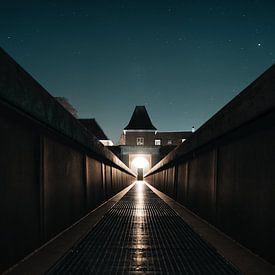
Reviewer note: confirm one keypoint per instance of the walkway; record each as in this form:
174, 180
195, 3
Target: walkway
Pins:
141, 234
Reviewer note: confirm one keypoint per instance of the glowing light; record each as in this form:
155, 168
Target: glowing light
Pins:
139, 239
140, 162
139, 197
140, 190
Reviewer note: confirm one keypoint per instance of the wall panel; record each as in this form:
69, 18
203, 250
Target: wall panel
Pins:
182, 183
201, 187
19, 191
64, 189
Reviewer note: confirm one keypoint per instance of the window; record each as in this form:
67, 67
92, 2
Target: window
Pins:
140, 141
169, 142
157, 142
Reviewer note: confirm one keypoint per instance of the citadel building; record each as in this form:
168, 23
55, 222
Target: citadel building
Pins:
141, 145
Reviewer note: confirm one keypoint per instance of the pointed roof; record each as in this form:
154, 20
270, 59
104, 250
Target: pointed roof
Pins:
140, 120
92, 126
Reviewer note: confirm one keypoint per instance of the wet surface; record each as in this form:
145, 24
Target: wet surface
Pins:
141, 234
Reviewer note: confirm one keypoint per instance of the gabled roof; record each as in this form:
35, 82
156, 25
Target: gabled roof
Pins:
92, 126
140, 120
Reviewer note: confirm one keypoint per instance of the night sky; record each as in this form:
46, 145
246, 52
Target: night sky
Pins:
183, 60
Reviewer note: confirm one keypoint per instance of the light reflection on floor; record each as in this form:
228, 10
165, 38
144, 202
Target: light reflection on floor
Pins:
140, 240
141, 234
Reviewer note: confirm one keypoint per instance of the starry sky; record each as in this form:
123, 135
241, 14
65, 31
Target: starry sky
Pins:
182, 59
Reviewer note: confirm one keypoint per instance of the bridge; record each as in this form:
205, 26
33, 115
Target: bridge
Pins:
71, 206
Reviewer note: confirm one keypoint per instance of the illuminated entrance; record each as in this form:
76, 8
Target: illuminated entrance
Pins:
140, 164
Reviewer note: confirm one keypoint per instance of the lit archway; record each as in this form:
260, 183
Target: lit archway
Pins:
140, 161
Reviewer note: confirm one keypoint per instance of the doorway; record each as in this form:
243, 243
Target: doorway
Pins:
140, 174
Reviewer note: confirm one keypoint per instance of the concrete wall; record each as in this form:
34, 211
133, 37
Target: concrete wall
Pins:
19, 191
225, 173
51, 172
47, 184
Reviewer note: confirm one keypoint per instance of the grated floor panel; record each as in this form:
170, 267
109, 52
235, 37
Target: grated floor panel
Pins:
141, 234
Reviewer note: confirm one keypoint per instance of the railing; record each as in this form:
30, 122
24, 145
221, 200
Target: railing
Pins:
225, 172
52, 171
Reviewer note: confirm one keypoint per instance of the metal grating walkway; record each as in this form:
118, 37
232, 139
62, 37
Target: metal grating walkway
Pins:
142, 234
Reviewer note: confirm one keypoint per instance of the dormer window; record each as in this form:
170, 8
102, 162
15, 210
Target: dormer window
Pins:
140, 141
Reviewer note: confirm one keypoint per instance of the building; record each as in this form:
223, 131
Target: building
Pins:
90, 124
142, 145
93, 127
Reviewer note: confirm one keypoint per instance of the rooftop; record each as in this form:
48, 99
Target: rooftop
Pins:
140, 120
92, 126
